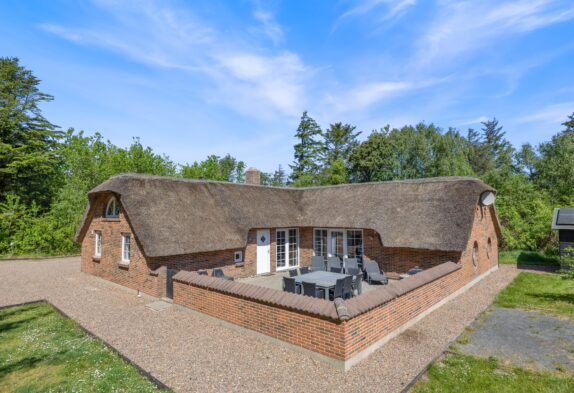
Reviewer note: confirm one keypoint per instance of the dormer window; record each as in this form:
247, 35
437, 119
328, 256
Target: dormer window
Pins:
112, 209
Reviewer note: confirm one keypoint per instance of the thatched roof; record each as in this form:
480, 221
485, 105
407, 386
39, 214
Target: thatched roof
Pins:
179, 216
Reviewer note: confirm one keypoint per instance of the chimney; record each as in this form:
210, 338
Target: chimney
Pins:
253, 176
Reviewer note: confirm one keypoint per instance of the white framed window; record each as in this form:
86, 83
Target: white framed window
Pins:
126, 247
98, 244
112, 209
287, 248
344, 243
238, 257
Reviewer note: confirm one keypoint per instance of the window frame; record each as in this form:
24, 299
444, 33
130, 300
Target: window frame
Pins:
345, 240
97, 244
114, 201
287, 249
129, 248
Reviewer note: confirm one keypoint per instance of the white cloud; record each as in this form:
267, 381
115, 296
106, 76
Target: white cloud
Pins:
269, 25
550, 114
461, 27
244, 77
391, 9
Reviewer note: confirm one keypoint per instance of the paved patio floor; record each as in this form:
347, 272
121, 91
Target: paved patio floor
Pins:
191, 353
275, 281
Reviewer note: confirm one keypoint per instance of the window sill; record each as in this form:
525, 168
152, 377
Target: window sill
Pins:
239, 264
109, 219
123, 265
96, 259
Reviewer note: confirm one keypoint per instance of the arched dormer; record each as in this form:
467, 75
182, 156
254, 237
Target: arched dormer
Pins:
112, 208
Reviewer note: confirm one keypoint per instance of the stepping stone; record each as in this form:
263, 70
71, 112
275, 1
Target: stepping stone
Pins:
158, 306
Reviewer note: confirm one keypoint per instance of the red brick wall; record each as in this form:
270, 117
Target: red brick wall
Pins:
136, 275
337, 339
308, 331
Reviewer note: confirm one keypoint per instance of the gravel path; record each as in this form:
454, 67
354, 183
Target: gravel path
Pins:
190, 353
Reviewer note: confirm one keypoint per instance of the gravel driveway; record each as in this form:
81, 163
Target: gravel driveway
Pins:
191, 353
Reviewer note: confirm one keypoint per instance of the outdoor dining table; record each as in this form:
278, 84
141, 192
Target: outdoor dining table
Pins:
322, 279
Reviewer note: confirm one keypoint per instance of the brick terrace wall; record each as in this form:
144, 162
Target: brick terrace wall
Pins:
342, 340
366, 329
317, 334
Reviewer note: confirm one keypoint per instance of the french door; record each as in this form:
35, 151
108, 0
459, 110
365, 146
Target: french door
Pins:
287, 248
338, 242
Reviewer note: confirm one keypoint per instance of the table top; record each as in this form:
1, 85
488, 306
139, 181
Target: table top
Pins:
321, 278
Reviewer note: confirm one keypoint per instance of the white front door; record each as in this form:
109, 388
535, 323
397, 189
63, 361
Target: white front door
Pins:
263, 251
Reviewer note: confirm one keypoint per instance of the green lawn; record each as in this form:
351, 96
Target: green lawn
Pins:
545, 293
520, 257
462, 373
41, 351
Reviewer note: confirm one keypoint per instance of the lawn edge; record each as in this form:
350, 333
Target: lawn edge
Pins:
156, 382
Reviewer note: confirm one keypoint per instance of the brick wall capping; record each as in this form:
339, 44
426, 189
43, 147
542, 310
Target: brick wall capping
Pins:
338, 310
318, 307
367, 301
156, 270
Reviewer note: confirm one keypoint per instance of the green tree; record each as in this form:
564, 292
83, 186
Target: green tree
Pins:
215, 168
28, 141
499, 150
276, 179
526, 159
306, 166
554, 168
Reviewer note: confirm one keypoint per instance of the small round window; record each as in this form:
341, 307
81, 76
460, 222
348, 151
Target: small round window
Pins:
488, 248
475, 255
112, 209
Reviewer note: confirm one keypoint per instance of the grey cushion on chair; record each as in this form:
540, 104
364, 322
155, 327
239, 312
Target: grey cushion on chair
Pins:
374, 274
333, 262
350, 263
317, 263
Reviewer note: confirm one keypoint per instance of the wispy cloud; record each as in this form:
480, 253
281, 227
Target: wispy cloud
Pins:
389, 9
269, 26
550, 114
249, 79
462, 27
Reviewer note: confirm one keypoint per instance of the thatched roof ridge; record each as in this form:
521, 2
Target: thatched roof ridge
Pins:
173, 216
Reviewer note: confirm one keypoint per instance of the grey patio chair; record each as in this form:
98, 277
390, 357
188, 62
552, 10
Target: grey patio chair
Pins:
350, 263
310, 289
333, 262
343, 288
317, 263
304, 270
289, 285
293, 273
336, 269
353, 271
218, 273
358, 283
202, 272
374, 274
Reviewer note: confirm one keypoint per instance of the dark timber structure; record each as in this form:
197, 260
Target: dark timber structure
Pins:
563, 221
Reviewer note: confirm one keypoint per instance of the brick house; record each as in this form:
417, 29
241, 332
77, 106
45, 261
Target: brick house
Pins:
152, 234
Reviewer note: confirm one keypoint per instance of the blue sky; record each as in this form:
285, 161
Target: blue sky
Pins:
193, 78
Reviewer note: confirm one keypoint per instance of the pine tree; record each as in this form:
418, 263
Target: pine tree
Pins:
28, 160
499, 150
306, 166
